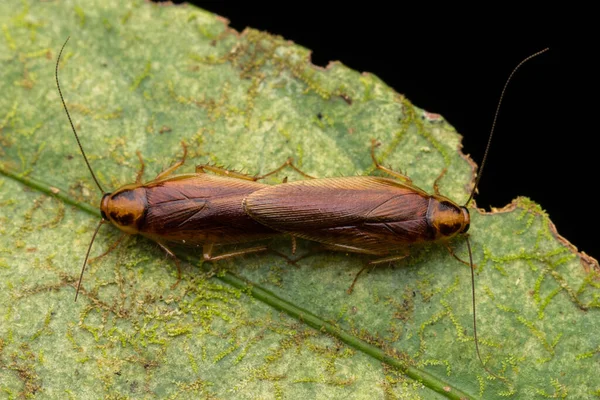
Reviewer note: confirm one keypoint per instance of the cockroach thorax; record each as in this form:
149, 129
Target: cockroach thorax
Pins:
125, 208
447, 218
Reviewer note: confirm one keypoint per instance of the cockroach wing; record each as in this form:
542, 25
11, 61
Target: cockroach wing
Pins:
363, 214
200, 208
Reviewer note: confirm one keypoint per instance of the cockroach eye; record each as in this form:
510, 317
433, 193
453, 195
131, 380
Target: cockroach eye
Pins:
467, 218
104, 205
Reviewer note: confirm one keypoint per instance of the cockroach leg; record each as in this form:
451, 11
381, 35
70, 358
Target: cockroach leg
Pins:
311, 253
234, 174
373, 264
250, 250
167, 250
177, 263
288, 163
207, 251
390, 259
294, 245
350, 249
172, 168
286, 258
208, 248
436, 188
140, 174
351, 288
202, 168
397, 175
458, 258
111, 248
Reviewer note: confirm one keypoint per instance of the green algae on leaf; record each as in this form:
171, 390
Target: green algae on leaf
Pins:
144, 77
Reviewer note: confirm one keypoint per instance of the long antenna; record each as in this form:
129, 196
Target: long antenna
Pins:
487, 148
69, 116
87, 163
475, 337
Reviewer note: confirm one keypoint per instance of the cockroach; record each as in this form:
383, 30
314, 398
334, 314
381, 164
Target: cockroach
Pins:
370, 215
196, 209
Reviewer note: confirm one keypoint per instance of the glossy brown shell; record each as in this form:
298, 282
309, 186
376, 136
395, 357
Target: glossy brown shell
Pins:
364, 214
192, 209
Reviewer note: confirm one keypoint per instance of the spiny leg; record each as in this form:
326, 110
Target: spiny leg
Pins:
294, 245
202, 168
172, 168
288, 163
349, 249
207, 250
436, 188
455, 256
286, 258
177, 263
351, 288
310, 253
111, 248
372, 265
140, 174
207, 256
398, 175
226, 172
321, 248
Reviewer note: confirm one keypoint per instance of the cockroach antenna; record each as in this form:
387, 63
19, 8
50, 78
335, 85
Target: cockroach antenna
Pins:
86, 161
487, 147
479, 173
69, 116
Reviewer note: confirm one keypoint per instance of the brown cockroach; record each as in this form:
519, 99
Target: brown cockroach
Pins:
190, 209
370, 215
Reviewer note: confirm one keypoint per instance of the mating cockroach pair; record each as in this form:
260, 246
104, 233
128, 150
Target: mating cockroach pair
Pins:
362, 214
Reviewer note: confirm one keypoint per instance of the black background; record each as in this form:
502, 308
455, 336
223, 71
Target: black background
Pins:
545, 143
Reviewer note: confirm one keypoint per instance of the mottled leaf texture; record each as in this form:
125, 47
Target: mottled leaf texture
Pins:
143, 77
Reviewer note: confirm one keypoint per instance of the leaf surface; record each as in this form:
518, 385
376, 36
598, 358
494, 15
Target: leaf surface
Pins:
143, 77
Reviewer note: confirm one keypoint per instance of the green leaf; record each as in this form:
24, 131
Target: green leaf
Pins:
145, 77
